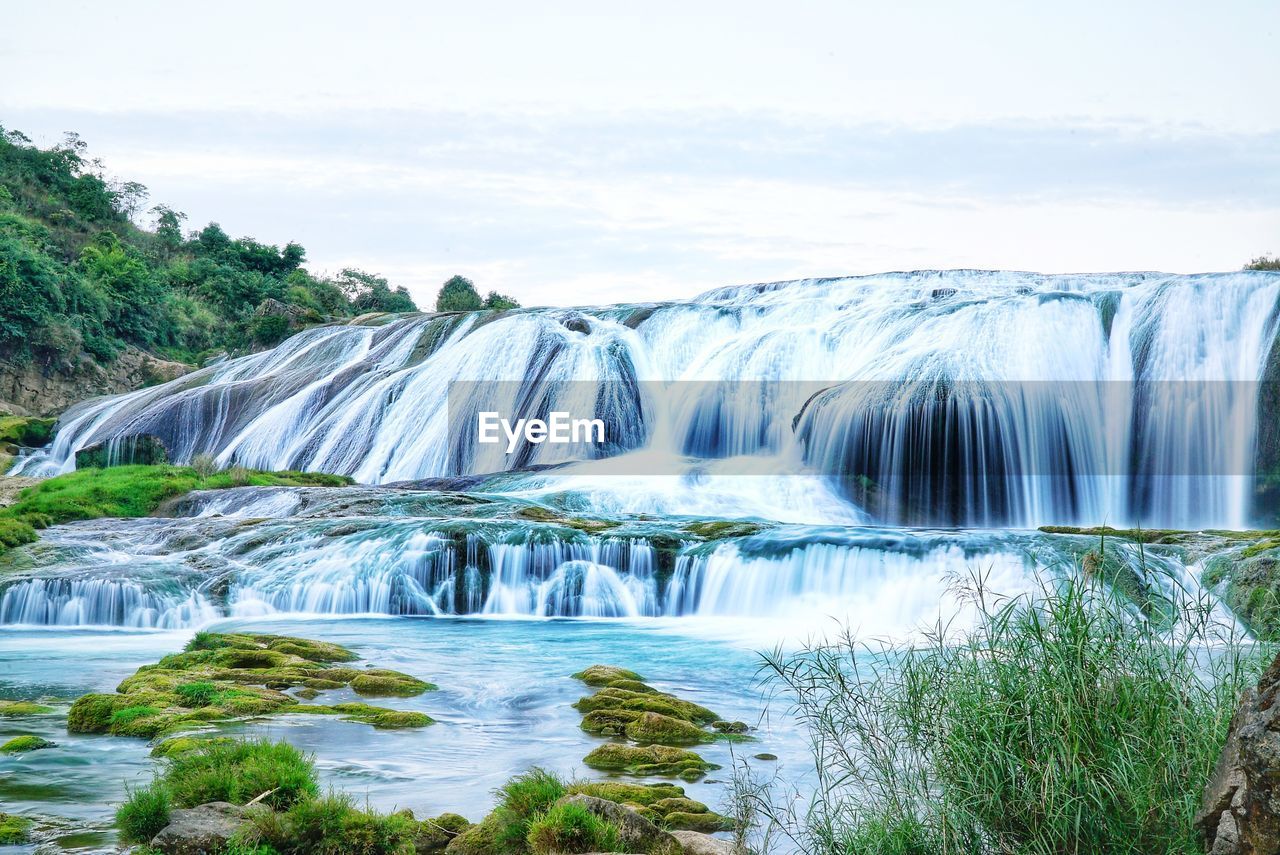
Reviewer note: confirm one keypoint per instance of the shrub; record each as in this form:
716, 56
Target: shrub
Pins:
240, 771
571, 828
327, 826
1067, 723
144, 813
204, 465
520, 801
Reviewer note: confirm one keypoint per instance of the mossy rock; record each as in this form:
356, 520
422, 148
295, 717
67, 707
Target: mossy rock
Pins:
723, 529
657, 702
24, 743
479, 839
389, 684
221, 677
20, 709
731, 727
26, 432
434, 834
176, 745
609, 722
14, 829
656, 728
706, 822
603, 675
648, 760
625, 793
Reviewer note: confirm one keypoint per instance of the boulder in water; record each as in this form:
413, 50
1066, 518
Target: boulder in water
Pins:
1240, 810
697, 843
144, 448
199, 830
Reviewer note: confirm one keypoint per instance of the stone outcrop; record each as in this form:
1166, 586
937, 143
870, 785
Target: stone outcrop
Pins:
143, 448
1240, 812
697, 843
48, 389
201, 830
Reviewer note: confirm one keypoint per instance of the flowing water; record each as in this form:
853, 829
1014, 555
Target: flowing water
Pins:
783, 460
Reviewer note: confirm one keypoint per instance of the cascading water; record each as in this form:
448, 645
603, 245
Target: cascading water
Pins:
371, 402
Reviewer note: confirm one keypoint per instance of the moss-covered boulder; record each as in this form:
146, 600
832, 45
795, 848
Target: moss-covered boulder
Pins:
226, 676
663, 803
26, 432
603, 675
14, 829
435, 834
648, 760
655, 728
24, 743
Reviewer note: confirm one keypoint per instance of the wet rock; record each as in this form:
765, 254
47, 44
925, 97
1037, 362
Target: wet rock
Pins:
143, 448
697, 843
201, 830
635, 833
1240, 810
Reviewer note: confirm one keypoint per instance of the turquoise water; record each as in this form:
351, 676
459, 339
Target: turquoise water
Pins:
503, 706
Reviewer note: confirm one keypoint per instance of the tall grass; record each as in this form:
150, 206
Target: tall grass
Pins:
1061, 724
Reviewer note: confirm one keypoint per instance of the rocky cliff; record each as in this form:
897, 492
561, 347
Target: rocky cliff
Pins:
46, 390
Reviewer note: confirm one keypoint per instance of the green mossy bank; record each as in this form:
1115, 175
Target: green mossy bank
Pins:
129, 491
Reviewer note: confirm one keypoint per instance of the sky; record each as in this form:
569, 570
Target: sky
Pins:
595, 152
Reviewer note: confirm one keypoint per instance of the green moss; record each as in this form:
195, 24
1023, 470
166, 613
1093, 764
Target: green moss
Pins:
13, 829
657, 702
128, 491
632, 686
609, 722
434, 834
24, 431
603, 675
721, 529
221, 677
647, 760
19, 709
567, 827
26, 742
478, 839
623, 793
656, 728
182, 744
91, 713
706, 822
389, 684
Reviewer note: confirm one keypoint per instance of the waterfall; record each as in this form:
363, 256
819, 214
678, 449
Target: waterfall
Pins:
1013, 420
407, 553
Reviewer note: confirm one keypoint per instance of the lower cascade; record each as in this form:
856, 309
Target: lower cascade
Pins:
220, 559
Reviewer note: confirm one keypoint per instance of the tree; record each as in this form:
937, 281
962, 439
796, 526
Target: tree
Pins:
1264, 262
500, 301
371, 293
168, 228
458, 295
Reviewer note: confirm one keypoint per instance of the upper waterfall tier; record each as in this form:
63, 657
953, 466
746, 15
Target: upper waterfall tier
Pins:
1010, 431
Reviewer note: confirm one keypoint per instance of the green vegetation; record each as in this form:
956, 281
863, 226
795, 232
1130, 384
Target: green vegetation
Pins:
1063, 724
220, 771
522, 800
1249, 583
459, 295
222, 677
79, 278
326, 826
1264, 262
19, 709
568, 827
144, 813
13, 829
721, 529
129, 491
648, 760
26, 742
28, 432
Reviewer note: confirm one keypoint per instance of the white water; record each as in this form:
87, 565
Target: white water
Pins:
373, 402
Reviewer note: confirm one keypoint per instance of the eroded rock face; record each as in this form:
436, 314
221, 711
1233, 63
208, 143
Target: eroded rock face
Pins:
201, 830
47, 389
1240, 813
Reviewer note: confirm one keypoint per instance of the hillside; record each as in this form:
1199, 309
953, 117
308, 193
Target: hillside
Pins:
82, 283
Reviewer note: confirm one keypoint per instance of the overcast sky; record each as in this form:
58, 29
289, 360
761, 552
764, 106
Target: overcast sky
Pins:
599, 152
